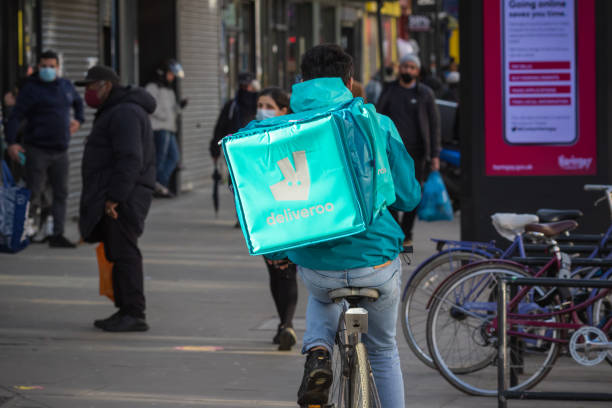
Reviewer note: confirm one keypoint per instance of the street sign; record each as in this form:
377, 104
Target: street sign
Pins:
419, 23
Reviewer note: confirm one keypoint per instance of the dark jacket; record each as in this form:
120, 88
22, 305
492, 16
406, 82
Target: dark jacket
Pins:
429, 116
119, 161
46, 107
236, 114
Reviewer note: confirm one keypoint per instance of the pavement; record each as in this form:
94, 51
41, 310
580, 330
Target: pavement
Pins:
212, 320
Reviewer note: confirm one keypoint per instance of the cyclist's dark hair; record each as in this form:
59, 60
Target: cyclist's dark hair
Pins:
49, 54
325, 61
280, 97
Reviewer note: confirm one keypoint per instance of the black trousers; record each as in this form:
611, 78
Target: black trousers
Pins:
283, 285
406, 219
121, 247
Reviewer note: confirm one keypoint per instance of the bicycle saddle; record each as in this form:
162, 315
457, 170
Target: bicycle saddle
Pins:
552, 229
550, 215
353, 294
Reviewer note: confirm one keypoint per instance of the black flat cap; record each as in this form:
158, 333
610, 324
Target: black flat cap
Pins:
99, 73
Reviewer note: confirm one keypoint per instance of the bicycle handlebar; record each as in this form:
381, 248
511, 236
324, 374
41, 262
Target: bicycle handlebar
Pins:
597, 187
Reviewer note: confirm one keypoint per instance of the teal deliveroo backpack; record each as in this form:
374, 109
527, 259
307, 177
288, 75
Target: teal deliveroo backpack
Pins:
309, 177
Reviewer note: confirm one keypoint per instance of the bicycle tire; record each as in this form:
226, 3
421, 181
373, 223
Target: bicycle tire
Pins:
475, 342
418, 291
339, 391
360, 378
602, 309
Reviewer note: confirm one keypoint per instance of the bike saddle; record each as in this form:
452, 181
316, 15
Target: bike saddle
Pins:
552, 229
353, 295
550, 215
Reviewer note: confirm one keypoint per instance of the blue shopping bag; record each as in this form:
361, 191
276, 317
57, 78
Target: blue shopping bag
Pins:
14, 206
435, 203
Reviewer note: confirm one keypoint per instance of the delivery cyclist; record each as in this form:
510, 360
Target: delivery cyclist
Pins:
367, 259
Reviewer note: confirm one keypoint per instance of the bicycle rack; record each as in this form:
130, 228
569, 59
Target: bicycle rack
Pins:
503, 369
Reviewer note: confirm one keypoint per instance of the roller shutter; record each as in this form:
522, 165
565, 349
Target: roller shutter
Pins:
71, 29
198, 51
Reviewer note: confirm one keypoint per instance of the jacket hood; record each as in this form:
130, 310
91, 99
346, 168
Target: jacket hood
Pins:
129, 94
319, 93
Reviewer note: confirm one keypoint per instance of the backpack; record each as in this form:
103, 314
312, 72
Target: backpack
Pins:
309, 177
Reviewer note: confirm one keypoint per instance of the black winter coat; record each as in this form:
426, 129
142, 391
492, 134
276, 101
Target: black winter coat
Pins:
236, 114
119, 161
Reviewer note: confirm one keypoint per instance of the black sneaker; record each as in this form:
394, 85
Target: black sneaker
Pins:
126, 323
101, 323
60, 241
286, 339
317, 379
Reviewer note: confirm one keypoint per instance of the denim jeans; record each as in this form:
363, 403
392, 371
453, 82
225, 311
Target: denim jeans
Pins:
167, 155
322, 319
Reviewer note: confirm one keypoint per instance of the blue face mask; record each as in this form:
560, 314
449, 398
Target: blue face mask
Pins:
265, 114
47, 74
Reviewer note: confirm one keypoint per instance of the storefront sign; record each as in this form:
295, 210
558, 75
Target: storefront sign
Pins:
417, 22
539, 92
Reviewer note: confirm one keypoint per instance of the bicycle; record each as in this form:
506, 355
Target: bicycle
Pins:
462, 322
454, 254
353, 383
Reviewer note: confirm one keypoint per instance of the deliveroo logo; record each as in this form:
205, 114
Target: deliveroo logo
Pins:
296, 185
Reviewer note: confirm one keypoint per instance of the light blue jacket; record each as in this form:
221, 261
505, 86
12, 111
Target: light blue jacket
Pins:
382, 240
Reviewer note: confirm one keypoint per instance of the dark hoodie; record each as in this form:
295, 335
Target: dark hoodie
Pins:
119, 161
236, 114
46, 107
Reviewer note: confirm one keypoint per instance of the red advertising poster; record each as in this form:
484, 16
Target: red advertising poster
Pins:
539, 85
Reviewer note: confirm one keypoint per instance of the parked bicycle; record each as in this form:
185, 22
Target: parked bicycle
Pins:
462, 331
452, 255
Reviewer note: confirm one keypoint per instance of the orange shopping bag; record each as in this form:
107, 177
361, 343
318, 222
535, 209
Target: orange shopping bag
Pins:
106, 273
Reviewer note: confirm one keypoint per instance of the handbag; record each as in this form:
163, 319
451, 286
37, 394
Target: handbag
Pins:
14, 208
435, 203
105, 268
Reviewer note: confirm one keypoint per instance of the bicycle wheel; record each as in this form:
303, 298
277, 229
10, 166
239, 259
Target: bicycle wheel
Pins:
418, 292
363, 389
463, 341
339, 391
602, 312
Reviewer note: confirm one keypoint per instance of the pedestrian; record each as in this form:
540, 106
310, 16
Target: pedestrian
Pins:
236, 113
274, 102
163, 122
118, 172
44, 101
374, 87
412, 107
367, 259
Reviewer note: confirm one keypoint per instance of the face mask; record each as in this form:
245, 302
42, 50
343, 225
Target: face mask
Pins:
47, 74
407, 78
92, 99
265, 114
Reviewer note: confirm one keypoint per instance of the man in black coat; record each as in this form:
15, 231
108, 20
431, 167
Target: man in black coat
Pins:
118, 172
412, 107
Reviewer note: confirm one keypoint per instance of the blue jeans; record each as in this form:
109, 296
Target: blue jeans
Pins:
322, 319
167, 155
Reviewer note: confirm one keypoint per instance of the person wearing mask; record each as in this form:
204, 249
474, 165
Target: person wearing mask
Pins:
274, 102
118, 172
412, 107
45, 101
163, 122
236, 113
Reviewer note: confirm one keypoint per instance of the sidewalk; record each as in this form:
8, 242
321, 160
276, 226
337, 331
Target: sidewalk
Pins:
212, 320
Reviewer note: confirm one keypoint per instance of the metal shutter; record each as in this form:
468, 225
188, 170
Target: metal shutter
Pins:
198, 51
71, 29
